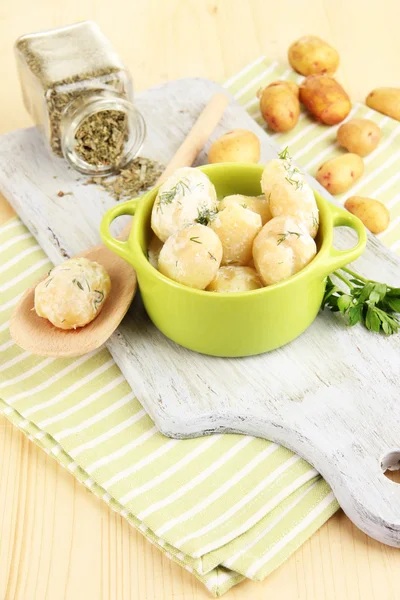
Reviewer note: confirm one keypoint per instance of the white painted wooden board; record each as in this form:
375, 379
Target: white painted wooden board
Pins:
332, 395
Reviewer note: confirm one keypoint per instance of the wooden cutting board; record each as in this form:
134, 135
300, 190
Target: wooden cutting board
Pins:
332, 395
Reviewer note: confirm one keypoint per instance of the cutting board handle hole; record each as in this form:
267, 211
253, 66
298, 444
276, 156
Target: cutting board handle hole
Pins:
390, 465
344, 238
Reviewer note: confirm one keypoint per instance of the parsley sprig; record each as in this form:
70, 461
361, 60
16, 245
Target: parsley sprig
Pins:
371, 303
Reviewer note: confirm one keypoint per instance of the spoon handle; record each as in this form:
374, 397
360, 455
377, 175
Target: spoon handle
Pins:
192, 144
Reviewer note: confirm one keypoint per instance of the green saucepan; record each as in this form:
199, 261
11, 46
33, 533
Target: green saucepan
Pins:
239, 324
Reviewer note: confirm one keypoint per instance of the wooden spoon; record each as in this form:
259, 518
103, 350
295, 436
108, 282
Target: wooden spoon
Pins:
39, 336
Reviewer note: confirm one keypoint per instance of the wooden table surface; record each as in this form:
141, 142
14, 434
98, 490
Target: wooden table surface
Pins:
57, 541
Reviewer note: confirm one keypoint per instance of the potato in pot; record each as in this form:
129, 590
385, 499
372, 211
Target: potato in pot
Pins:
310, 55
153, 250
180, 199
191, 256
325, 98
288, 192
338, 174
258, 204
279, 106
235, 279
236, 227
282, 248
360, 136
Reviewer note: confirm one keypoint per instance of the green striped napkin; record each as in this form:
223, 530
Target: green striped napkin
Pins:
225, 507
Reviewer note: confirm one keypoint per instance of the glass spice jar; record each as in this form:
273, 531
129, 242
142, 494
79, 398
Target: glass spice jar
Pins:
78, 91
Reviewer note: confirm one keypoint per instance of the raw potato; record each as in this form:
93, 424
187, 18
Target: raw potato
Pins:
282, 248
73, 294
236, 227
258, 204
339, 174
288, 193
235, 279
238, 145
191, 256
385, 100
279, 106
372, 213
184, 196
325, 98
293, 87
153, 251
360, 136
310, 55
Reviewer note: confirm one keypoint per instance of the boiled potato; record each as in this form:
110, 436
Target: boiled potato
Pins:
258, 204
372, 213
385, 100
180, 200
191, 256
280, 106
325, 98
238, 145
288, 193
310, 55
236, 227
235, 279
153, 251
338, 174
73, 294
282, 248
359, 136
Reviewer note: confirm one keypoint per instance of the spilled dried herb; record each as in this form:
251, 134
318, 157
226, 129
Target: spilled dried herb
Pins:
140, 175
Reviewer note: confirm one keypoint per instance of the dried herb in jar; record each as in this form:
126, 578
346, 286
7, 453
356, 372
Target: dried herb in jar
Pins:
100, 138
77, 89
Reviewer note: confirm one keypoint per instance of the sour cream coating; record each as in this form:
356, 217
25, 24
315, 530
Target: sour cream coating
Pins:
288, 193
73, 294
258, 204
182, 198
191, 256
236, 227
153, 250
235, 279
282, 248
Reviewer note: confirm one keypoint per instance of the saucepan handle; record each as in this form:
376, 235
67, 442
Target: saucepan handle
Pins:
338, 258
119, 245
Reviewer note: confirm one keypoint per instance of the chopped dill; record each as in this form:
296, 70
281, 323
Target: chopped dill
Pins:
195, 239
205, 215
98, 300
212, 256
168, 196
78, 283
284, 236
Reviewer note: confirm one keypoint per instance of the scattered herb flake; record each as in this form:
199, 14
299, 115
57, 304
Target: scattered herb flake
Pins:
195, 239
284, 236
78, 283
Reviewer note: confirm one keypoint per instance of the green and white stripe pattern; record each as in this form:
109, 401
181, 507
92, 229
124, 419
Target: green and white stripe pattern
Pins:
225, 507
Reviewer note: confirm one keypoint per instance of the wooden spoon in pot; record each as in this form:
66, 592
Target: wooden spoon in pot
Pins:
39, 336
